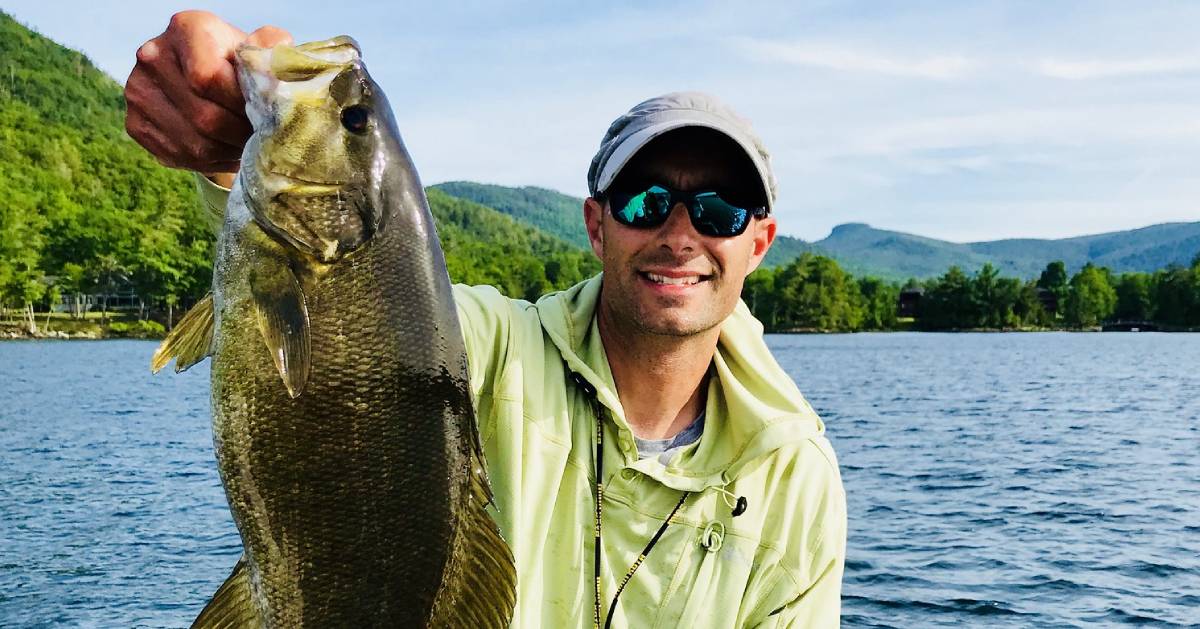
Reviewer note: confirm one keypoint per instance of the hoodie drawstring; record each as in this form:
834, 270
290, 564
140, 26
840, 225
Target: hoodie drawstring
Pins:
598, 410
738, 506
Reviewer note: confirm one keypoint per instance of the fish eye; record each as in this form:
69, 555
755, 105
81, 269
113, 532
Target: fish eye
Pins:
355, 119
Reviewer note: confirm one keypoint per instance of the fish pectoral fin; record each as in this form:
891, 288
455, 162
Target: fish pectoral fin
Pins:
190, 341
232, 606
282, 318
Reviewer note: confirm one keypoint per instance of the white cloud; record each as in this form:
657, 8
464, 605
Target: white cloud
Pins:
1077, 70
844, 59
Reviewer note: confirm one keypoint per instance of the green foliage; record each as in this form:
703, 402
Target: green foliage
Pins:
879, 300
555, 213
141, 329
947, 303
1176, 296
955, 301
1134, 297
813, 293
1028, 308
1092, 298
81, 205
484, 246
83, 209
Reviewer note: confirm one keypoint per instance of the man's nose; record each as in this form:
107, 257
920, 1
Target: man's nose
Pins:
677, 233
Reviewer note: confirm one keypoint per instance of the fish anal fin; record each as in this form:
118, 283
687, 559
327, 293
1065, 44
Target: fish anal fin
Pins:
232, 607
485, 593
190, 341
282, 316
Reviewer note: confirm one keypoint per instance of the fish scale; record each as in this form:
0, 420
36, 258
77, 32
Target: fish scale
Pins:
343, 424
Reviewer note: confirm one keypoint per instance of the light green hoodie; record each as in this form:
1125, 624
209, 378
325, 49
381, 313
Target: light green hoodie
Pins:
779, 564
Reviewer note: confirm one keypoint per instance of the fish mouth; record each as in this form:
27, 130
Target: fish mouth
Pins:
302, 180
299, 186
322, 220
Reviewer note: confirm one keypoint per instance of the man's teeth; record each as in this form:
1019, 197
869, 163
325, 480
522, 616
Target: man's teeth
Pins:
674, 281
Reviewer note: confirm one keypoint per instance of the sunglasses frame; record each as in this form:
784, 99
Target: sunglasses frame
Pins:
690, 200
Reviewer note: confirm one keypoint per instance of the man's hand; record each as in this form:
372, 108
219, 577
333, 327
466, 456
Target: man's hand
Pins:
183, 101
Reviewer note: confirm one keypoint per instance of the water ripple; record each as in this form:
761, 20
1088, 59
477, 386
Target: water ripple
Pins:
1016, 480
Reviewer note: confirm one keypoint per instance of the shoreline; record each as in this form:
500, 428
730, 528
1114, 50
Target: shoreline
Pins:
91, 332
105, 333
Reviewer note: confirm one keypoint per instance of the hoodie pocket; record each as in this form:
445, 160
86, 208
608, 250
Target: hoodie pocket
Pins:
711, 580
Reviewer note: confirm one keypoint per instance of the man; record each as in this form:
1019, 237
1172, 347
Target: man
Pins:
719, 502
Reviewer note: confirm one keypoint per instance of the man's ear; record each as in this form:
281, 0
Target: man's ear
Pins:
764, 234
593, 213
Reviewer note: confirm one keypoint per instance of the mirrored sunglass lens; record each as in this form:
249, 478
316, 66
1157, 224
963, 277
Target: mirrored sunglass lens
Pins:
633, 209
646, 208
716, 217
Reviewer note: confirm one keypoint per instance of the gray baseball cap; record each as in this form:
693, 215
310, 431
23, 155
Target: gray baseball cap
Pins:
652, 118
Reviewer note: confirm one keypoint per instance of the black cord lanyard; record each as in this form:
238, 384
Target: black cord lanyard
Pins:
599, 496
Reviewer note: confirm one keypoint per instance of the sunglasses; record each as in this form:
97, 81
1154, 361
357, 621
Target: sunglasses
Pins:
711, 215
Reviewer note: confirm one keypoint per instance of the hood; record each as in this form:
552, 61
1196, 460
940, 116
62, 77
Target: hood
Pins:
753, 406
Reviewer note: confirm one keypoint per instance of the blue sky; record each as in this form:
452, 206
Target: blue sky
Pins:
963, 121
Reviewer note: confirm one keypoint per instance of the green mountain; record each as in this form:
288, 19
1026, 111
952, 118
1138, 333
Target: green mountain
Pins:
84, 209
485, 246
553, 212
562, 215
897, 255
865, 250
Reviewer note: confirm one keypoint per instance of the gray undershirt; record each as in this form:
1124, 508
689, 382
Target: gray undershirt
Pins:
664, 449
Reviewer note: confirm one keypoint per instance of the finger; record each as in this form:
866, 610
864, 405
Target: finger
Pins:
178, 143
206, 61
269, 36
149, 106
208, 118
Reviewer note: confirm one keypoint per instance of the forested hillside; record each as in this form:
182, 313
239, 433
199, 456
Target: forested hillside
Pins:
82, 207
562, 215
553, 212
85, 210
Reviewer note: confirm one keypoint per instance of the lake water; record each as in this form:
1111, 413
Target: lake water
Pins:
994, 480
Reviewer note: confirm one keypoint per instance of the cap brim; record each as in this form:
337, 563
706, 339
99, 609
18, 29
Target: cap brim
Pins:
639, 139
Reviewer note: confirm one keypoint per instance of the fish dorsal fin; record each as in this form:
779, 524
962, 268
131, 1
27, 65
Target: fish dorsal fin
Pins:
190, 341
282, 316
232, 606
485, 593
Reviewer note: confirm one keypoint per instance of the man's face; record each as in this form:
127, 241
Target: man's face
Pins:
671, 280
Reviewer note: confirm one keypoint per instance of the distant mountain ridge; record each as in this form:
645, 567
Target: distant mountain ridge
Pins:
898, 254
866, 250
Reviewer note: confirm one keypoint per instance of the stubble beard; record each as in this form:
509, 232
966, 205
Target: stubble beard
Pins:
662, 319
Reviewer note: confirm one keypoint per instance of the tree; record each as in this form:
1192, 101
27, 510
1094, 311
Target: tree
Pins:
759, 294
1028, 307
815, 293
1133, 297
879, 300
1091, 298
993, 298
948, 303
1175, 296
1054, 279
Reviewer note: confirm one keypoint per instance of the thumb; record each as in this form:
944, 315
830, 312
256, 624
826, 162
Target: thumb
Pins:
269, 36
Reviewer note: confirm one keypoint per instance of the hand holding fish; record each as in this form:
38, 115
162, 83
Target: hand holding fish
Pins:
184, 104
